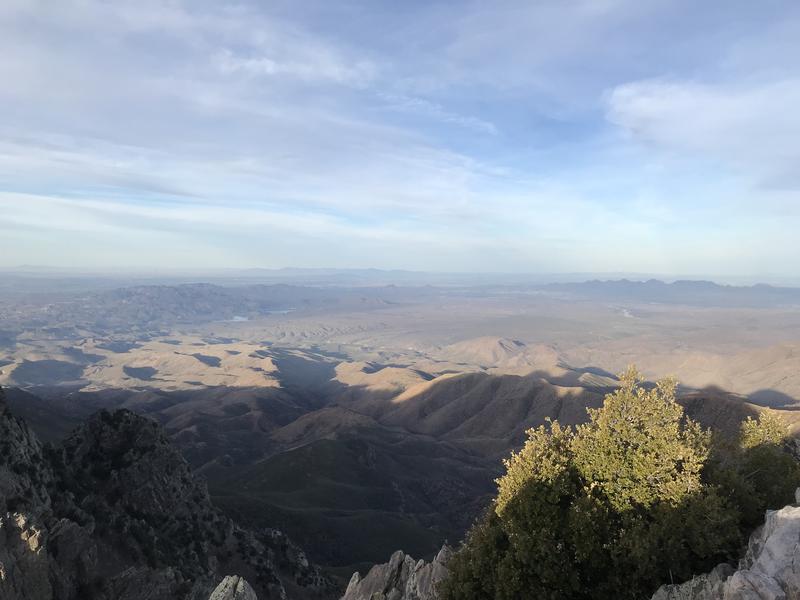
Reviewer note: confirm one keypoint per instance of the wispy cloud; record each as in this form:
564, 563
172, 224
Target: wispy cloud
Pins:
550, 135
432, 110
311, 67
752, 126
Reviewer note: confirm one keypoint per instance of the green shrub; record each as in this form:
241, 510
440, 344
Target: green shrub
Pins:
754, 470
638, 496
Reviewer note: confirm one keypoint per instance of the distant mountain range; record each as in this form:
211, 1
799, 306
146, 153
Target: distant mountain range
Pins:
148, 307
692, 293
152, 306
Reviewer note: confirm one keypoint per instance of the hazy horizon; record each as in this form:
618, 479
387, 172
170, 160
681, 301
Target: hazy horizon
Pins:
550, 137
370, 275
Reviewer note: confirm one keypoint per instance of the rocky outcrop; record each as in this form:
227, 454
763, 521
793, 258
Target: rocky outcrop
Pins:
233, 587
25, 479
402, 578
770, 569
114, 512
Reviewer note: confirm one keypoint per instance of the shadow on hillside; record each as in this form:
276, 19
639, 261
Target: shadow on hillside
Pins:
521, 407
766, 397
715, 408
358, 462
774, 399
311, 380
594, 371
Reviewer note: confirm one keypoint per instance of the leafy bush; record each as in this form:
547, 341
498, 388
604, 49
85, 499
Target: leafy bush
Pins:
638, 496
755, 471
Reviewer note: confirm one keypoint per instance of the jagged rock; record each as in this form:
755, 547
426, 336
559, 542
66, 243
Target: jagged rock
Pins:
24, 473
74, 556
770, 569
708, 585
24, 508
233, 587
402, 578
24, 567
115, 513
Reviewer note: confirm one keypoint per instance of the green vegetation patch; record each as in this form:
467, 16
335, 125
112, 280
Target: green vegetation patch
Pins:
638, 496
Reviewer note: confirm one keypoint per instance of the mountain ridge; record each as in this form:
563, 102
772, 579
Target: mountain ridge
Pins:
115, 513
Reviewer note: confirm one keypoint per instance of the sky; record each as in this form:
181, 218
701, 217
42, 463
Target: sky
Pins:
532, 136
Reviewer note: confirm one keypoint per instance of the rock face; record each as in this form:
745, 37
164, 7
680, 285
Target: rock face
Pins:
402, 578
115, 513
770, 569
233, 587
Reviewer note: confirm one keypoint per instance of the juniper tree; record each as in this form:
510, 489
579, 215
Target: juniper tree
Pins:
614, 507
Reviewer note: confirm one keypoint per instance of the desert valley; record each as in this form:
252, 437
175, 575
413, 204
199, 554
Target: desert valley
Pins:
373, 300
367, 416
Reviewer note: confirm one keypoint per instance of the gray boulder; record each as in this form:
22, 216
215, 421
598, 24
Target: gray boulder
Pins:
233, 587
402, 578
708, 585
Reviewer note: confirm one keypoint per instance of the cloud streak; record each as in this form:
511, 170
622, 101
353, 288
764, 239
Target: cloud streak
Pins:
550, 136
752, 127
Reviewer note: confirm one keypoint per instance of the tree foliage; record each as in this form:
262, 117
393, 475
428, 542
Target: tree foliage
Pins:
638, 496
755, 470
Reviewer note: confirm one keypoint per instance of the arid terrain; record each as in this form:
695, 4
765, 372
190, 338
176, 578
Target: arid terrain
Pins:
362, 414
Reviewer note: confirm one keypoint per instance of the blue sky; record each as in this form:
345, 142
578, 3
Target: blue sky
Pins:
531, 136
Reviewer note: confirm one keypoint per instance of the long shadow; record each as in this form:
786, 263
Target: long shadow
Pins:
774, 399
717, 409
309, 378
766, 397
423, 464
594, 371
